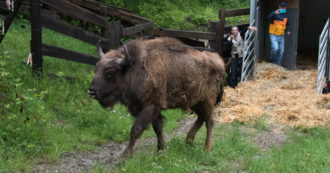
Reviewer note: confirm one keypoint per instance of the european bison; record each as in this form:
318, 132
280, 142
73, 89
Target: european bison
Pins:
152, 75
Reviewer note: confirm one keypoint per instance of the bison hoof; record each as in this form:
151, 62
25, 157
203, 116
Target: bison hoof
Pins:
189, 142
208, 148
161, 147
127, 153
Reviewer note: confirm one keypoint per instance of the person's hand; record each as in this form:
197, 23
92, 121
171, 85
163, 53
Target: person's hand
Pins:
289, 33
252, 28
277, 11
8, 4
231, 37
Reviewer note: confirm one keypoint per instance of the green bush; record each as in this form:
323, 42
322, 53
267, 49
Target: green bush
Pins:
182, 14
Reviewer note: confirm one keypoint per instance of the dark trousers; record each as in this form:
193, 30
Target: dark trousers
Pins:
236, 70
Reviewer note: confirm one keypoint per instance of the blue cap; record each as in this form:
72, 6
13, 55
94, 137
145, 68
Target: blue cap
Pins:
283, 4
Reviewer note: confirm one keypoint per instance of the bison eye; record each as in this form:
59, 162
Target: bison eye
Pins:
110, 73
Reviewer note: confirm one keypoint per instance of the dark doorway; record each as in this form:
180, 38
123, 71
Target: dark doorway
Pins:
313, 15
265, 7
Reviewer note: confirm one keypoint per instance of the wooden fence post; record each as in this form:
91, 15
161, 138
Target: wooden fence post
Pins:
36, 37
112, 35
221, 30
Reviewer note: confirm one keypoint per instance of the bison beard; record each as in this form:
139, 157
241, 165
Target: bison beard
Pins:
152, 75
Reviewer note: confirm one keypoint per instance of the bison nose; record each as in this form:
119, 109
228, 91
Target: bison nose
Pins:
92, 93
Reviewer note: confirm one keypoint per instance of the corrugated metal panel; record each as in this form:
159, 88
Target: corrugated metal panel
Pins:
290, 53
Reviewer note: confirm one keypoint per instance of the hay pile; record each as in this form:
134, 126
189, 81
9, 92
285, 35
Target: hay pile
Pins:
278, 95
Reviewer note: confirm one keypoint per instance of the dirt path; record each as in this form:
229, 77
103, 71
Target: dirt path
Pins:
108, 155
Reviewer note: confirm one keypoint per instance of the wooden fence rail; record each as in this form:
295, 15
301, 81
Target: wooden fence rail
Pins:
73, 10
97, 13
70, 55
69, 30
107, 9
182, 34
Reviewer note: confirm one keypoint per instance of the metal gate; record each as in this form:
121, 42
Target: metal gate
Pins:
323, 65
248, 54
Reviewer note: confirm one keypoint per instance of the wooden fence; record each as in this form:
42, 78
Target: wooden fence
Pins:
43, 14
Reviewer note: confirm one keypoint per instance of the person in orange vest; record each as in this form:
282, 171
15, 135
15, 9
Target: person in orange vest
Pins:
279, 24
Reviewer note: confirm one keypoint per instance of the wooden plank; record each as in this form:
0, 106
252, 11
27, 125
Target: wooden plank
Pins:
69, 30
221, 32
192, 42
237, 12
76, 11
70, 55
9, 19
137, 29
214, 27
182, 34
36, 36
121, 13
203, 49
92, 4
112, 35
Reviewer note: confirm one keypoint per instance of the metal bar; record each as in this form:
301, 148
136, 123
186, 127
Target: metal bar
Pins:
323, 53
248, 54
327, 70
324, 40
246, 70
323, 57
324, 31
36, 38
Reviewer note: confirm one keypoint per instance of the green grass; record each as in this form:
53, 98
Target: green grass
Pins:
233, 151
57, 114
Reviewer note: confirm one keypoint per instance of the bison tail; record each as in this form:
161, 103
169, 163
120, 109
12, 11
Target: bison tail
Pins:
220, 95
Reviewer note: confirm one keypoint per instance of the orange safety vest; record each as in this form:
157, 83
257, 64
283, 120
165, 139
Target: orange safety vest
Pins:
278, 25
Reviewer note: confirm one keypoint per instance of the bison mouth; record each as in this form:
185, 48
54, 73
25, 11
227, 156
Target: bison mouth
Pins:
107, 100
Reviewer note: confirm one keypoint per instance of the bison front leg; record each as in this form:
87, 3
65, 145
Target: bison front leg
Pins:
141, 123
157, 125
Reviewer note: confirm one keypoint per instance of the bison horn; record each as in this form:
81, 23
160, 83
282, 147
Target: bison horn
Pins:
127, 56
99, 49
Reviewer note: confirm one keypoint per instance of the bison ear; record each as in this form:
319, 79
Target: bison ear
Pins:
128, 60
99, 49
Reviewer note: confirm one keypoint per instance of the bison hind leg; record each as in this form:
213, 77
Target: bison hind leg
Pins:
204, 113
157, 125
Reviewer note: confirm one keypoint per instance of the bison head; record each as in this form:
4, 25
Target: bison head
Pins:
109, 75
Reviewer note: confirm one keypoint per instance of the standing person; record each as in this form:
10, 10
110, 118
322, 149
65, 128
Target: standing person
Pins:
279, 24
237, 46
8, 4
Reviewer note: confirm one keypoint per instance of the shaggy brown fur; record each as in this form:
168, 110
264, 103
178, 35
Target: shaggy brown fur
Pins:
153, 75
